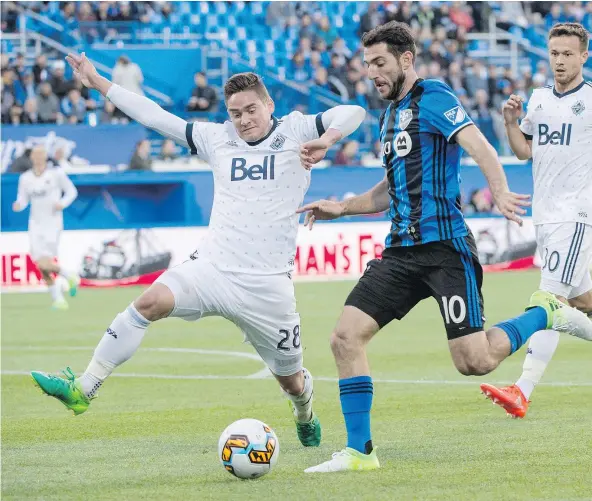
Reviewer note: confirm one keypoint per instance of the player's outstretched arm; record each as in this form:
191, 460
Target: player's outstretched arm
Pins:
512, 111
375, 200
139, 108
338, 122
474, 143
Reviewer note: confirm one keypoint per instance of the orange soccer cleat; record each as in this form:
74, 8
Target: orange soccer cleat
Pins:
510, 398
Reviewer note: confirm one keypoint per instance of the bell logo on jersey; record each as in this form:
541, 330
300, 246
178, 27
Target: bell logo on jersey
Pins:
555, 138
240, 172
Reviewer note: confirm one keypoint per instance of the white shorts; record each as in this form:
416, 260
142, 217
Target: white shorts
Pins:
262, 306
44, 244
566, 251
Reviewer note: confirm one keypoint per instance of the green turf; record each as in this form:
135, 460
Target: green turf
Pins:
156, 439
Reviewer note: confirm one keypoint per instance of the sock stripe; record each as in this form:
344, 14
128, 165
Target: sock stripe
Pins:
354, 385
356, 389
356, 392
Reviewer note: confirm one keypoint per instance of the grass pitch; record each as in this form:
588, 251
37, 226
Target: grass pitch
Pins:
155, 438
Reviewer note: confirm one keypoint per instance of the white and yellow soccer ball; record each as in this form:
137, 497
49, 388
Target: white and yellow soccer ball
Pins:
248, 448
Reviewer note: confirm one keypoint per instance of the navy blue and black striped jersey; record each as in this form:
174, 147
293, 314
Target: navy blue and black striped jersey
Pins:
422, 162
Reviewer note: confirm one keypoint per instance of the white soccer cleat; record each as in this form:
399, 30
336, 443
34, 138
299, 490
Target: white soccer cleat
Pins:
347, 460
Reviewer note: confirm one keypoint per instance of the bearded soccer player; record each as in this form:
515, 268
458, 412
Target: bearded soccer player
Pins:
430, 251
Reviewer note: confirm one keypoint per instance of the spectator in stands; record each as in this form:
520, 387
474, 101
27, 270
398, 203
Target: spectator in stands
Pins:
25, 89
74, 107
436, 54
8, 94
107, 115
278, 13
315, 62
5, 64
88, 32
481, 108
168, 151
341, 49
141, 158
456, 78
40, 72
307, 29
435, 71
370, 19
203, 97
326, 31
91, 104
320, 46
128, 75
299, 69
19, 66
9, 17
48, 105
464, 98
67, 17
336, 69
476, 74
59, 84
460, 14
347, 154
554, 17
321, 79
30, 113
425, 16
305, 48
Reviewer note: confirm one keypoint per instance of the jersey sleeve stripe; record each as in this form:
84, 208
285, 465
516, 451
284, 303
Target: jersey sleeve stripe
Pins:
457, 130
189, 137
319, 124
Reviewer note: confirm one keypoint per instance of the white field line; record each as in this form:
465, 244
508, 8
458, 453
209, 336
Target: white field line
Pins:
262, 374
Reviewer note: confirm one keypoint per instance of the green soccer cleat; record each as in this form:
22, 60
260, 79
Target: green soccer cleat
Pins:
60, 305
562, 317
347, 460
73, 283
67, 390
309, 433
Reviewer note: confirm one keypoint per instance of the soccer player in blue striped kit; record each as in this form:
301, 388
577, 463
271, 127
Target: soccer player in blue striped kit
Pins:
430, 251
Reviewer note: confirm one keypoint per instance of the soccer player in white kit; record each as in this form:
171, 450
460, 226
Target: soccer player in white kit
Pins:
557, 134
241, 270
49, 192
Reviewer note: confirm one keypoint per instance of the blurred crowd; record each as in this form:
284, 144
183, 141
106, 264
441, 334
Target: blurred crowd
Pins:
324, 56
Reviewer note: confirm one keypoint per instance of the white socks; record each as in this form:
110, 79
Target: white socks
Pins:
56, 292
119, 343
303, 402
541, 348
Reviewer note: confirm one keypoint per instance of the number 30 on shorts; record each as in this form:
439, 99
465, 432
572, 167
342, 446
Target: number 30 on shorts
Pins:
284, 344
455, 309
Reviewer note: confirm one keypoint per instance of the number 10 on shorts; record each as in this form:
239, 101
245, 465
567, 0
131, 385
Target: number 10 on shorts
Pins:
455, 309
285, 344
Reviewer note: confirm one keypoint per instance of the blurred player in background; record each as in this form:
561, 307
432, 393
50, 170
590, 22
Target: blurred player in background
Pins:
557, 134
49, 191
241, 270
430, 251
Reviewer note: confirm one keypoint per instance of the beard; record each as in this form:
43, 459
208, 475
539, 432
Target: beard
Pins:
398, 84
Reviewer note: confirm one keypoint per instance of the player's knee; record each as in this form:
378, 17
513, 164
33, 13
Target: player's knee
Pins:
156, 303
343, 341
475, 365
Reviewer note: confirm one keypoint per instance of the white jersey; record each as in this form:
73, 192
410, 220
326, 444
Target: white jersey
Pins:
43, 192
560, 127
257, 188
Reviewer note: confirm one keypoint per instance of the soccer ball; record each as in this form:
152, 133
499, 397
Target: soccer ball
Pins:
248, 448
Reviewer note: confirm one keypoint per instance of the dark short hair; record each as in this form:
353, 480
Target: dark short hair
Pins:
245, 81
397, 36
571, 30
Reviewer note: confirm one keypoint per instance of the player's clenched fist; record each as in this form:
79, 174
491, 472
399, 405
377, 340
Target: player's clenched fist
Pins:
512, 108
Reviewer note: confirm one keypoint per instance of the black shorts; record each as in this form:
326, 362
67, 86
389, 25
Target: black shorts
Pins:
448, 271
